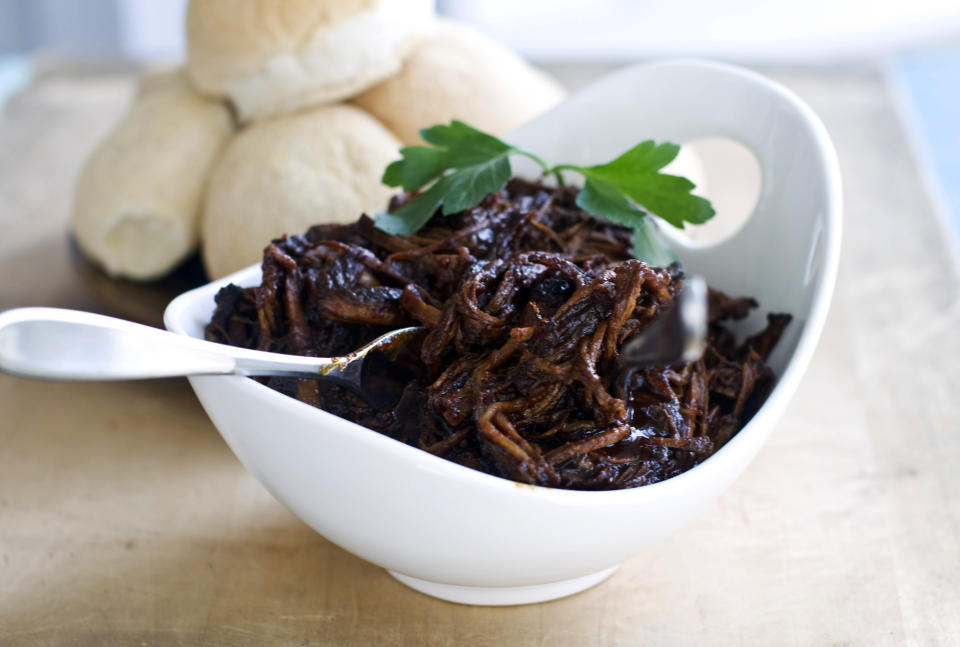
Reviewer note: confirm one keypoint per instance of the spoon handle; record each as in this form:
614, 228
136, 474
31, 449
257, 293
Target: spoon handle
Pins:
54, 343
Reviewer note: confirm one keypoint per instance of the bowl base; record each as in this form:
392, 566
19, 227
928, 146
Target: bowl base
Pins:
504, 595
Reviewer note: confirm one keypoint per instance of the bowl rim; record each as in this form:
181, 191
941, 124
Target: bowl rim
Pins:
177, 311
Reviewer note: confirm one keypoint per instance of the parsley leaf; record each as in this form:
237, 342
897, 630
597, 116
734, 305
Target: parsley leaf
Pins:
636, 175
409, 218
418, 166
479, 165
604, 198
650, 246
464, 164
465, 145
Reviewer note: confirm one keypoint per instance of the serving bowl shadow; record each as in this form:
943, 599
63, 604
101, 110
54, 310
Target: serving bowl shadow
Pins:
469, 537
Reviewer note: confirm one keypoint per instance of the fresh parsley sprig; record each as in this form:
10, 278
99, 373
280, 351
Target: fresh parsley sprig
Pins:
465, 164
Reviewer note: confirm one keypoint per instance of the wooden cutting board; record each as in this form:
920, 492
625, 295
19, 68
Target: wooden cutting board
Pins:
143, 302
126, 520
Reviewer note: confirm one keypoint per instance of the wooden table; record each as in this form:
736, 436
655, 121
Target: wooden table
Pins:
125, 520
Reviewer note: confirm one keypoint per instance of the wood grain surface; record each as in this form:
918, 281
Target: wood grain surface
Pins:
125, 519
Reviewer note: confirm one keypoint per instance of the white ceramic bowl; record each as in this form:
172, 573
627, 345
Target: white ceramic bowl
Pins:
464, 536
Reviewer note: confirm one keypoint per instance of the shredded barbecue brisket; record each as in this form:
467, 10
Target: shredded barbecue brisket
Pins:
528, 301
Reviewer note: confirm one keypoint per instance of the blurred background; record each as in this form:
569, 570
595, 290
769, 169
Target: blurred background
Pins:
916, 43
543, 30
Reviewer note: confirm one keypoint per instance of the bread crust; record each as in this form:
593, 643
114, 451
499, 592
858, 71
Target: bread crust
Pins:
273, 57
460, 73
283, 175
137, 199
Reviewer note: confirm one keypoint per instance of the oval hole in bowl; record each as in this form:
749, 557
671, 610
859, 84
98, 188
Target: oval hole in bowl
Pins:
728, 174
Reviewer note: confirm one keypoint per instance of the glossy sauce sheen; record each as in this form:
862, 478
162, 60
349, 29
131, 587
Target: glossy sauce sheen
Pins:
527, 301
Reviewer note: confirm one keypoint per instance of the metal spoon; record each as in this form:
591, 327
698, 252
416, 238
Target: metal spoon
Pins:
678, 335
53, 343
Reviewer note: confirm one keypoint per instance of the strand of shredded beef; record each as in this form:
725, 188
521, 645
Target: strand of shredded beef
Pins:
528, 301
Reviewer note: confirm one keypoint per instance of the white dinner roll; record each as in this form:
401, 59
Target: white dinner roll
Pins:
159, 79
283, 175
138, 198
273, 57
460, 73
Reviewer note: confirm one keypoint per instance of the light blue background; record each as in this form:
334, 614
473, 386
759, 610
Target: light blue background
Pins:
930, 81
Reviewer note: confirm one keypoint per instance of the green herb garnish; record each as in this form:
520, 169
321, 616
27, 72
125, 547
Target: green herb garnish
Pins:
464, 165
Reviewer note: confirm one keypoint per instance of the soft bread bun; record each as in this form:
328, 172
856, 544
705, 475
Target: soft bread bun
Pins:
283, 175
160, 79
138, 197
273, 57
460, 73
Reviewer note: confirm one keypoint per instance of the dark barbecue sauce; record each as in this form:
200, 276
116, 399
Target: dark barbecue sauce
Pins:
528, 301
